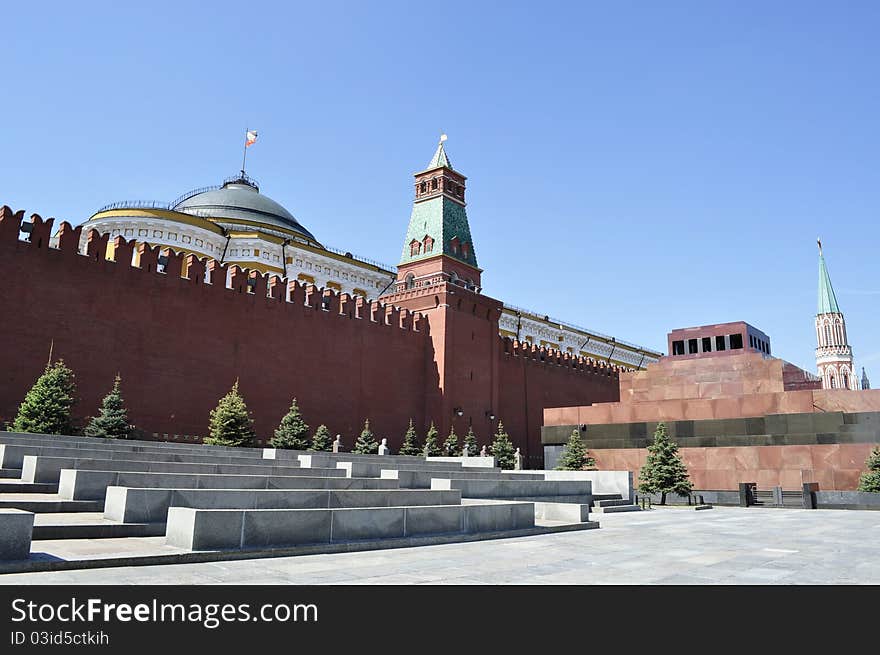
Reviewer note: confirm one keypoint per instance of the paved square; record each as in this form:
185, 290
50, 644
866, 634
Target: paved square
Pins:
727, 545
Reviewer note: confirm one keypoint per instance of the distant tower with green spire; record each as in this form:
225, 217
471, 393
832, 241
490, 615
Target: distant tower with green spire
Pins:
834, 357
866, 384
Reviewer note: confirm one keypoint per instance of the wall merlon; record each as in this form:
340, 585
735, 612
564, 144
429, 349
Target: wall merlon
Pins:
217, 275
10, 224
314, 294
346, 305
147, 257
123, 251
392, 315
296, 293
69, 238
174, 265
195, 268
41, 231
96, 246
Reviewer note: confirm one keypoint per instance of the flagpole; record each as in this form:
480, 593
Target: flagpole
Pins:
244, 156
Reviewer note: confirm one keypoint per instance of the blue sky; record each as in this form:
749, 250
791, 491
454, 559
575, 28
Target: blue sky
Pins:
632, 166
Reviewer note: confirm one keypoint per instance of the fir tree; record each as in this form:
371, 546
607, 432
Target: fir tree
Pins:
870, 479
111, 421
575, 456
231, 424
664, 472
432, 446
450, 446
410, 445
502, 448
470, 443
366, 444
47, 405
321, 441
292, 433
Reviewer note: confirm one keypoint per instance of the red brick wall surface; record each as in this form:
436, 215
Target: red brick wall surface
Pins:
179, 345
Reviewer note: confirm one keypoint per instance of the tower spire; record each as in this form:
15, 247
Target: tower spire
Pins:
827, 300
440, 158
834, 357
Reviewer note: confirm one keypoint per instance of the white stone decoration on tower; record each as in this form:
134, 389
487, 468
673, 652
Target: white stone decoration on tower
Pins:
834, 358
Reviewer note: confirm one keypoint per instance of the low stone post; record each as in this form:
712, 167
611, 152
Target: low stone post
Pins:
777, 496
337, 443
810, 489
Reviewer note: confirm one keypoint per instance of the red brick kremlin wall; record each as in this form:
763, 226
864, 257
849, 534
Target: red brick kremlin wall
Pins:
179, 344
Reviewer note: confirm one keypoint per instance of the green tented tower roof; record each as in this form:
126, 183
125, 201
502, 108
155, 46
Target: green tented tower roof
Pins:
439, 217
442, 219
827, 300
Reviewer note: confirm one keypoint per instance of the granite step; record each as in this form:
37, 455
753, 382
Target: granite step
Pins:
612, 502
89, 525
48, 503
19, 487
616, 508
221, 529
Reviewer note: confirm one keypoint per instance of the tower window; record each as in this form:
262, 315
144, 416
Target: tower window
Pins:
707, 344
678, 347
428, 243
423, 187
845, 381
459, 191
692, 346
434, 184
719, 343
736, 341
410, 281
464, 250
414, 248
